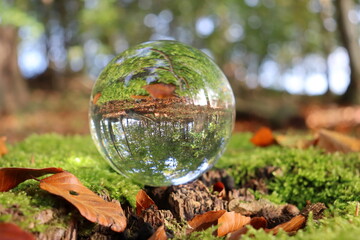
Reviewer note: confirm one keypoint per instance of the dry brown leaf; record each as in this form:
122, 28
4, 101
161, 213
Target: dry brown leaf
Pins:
159, 234
333, 141
293, 225
255, 222
11, 177
3, 148
160, 90
143, 202
90, 205
236, 235
10, 231
203, 221
258, 222
263, 137
230, 222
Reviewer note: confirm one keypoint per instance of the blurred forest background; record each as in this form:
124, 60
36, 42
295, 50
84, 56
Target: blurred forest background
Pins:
290, 63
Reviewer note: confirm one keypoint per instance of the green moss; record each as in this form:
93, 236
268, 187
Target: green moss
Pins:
306, 175
331, 227
164, 62
77, 155
120, 91
21, 210
203, 235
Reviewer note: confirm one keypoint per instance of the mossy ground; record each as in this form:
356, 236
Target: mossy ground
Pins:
305, 175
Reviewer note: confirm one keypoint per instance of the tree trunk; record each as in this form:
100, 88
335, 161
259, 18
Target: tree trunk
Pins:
13, 89
349, 37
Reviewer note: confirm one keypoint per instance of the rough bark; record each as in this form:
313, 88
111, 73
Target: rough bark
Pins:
194, 198
350, 36
13, 89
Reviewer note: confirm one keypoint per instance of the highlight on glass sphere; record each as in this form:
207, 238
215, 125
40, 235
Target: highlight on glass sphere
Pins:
161, 113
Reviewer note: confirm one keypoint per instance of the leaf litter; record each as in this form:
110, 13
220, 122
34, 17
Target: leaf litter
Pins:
66, 185
328, 140
193, 203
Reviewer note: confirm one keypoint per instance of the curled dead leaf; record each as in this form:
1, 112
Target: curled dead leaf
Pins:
230, 222
263, 137
203, 221
255, 222
11, 177
90, 205
10, 231
143, 202
293, 225
227, 221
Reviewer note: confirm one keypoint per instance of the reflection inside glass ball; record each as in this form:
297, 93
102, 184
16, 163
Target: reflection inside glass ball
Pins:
161, 113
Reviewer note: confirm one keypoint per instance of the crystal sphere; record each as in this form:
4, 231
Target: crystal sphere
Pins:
161, 113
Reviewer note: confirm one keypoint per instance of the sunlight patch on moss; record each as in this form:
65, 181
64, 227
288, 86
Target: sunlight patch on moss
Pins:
77, 155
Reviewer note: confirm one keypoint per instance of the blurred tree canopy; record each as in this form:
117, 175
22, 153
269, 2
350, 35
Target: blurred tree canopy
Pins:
255, 42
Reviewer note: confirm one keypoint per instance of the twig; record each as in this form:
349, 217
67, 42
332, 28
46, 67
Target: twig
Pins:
171, 67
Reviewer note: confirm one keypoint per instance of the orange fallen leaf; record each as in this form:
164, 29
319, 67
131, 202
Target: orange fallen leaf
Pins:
263, 137
227, 221
90, 205
96, 98
3, 148
203, 221
293, 225
10, 231
143, 202
159, 234
160, 90
255, 222
11, 177
230, 222
333, 141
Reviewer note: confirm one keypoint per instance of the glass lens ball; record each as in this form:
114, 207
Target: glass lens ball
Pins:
161, 113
